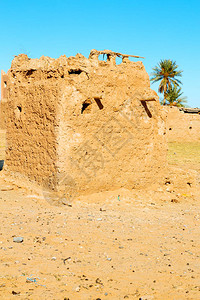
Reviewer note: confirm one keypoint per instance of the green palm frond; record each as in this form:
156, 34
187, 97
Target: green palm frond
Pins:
166, 72
174, 97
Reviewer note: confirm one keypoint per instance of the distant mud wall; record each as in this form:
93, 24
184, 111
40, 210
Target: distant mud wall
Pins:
3, 110
3, 101
86, 124
182, 126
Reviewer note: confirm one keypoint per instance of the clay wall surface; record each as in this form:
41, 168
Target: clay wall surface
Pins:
3, 101
118, 140
182, 126
31, 121
3, 110
4, 81
88, 124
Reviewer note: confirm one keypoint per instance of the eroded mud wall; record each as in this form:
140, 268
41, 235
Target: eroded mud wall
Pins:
86, 124
112, 131
31, 120
3, 110
3, 101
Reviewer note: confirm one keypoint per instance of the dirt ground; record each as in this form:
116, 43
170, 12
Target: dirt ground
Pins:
112, 245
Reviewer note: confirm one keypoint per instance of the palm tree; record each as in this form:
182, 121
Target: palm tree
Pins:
166, 72
173, 97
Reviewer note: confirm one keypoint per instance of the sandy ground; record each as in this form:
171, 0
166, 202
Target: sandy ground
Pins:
113, 245
132, 246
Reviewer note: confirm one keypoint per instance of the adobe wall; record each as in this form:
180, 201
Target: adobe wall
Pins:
31, 120
182, 126
90, 124
3, 110
121, 143
3, 101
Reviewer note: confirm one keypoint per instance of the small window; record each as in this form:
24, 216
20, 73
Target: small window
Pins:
18, 111
86, 107
5, 84
75, 71
19, 108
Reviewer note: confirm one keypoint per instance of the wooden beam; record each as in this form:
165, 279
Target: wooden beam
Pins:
107, 52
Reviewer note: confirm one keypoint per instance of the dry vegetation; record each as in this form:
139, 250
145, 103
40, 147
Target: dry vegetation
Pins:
185, 155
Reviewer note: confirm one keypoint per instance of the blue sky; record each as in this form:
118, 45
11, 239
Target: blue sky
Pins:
153, 29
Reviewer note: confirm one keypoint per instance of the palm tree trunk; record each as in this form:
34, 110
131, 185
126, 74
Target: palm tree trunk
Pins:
164, 100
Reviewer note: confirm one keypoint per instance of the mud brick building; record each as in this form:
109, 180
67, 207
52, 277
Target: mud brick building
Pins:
94, 122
